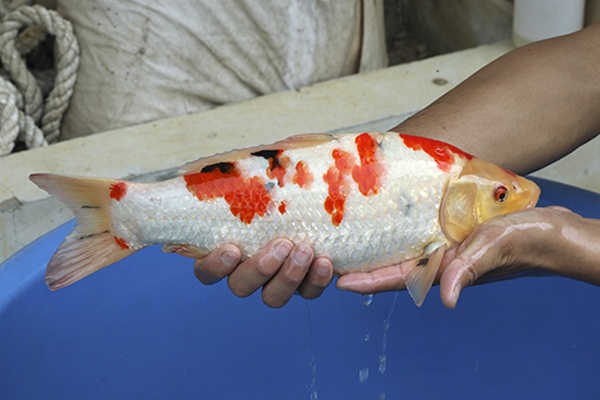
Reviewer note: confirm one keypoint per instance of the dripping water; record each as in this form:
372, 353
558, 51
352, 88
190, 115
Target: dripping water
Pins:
384, 342
367, 299
313, 359
363, 373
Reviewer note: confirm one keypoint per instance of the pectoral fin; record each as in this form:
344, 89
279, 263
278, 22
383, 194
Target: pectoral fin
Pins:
423, 272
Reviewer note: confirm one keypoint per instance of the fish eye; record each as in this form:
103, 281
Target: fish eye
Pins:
501, 194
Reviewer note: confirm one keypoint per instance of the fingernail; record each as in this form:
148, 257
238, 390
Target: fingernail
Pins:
229, 258
301, 255
455, 294
281, 250
322, 268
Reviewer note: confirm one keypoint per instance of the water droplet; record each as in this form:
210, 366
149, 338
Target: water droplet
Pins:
363, 375
386, 325
382, 363
367, 337
384, 340
381, 396
367, 299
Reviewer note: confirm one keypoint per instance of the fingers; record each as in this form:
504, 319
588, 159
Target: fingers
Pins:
493, 248
298, 274
476, 256
318, 278
380, 280
459, 275
217, 265
282, 270
279, 290
253, 273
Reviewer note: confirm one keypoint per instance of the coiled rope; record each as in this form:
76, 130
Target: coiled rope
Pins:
32, 106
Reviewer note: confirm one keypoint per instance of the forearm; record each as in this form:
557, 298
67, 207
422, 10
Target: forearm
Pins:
526, 109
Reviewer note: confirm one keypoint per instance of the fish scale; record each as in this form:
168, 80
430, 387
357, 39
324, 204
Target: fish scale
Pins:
366, 201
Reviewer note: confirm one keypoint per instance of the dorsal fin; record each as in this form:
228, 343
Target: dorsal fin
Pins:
292, 142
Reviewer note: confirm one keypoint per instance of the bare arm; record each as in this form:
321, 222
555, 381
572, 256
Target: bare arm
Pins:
525, 110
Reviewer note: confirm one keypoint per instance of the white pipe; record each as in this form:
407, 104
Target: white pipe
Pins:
542, 19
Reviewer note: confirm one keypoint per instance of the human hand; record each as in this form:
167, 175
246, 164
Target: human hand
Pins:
550, 239
280, 268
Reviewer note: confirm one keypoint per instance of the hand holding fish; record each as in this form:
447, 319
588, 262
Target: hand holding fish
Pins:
523, 111
551, 240
279, 276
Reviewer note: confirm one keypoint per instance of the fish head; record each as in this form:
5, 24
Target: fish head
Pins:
480, 192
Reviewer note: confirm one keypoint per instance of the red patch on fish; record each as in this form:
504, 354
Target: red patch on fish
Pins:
277, 168
368, 174
303, 177
213, 181
338, 185
246, 196
118, 190
442, 153
344, 161
278, 164
121, 242
249, 199
282, 207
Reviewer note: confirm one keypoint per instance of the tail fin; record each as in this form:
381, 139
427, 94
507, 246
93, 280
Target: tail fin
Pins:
91, 245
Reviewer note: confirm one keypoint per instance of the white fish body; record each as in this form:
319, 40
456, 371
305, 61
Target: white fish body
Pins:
365, 201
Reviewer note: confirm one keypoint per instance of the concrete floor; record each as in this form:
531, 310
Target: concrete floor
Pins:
374, 101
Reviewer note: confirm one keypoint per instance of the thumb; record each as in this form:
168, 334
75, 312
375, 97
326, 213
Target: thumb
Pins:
474, 258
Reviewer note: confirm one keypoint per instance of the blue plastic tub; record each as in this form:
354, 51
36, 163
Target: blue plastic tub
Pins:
146, 329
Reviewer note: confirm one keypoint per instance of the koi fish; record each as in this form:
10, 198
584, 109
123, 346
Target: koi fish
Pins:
366, 201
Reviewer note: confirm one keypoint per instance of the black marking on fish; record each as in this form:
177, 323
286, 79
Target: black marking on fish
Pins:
269, 186
91, 235
267, 154
224, 167
273, 157
423, 262
92, 207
